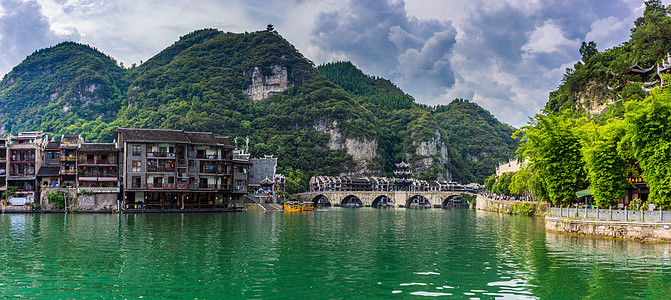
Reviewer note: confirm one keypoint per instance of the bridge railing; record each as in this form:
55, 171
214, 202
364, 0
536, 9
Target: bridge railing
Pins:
610, 214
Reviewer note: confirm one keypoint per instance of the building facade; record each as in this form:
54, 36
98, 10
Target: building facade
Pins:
175, 169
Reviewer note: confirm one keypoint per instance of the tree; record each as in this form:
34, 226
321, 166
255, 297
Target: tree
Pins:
489, 182
502, 184
652, 34
588, 50
606, 167
520, 183
553, 151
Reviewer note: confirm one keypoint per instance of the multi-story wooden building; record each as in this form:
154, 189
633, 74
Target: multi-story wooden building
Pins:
162, 168
23, 149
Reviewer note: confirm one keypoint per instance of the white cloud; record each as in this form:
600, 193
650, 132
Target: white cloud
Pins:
548, 38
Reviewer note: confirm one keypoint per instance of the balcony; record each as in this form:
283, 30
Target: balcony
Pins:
67, 172
96, 161
203, 156
208, 171
68, 158
161, 154
151, 169
207, 186
155, 186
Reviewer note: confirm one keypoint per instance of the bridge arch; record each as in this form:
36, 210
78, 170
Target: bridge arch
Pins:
351, 201
418, 201
382, 201
454, 201
321, 200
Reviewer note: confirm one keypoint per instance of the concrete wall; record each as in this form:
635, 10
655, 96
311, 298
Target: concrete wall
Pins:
640, 231
96, 202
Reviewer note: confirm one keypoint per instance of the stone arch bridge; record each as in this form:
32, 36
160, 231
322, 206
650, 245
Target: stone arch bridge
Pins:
425, 199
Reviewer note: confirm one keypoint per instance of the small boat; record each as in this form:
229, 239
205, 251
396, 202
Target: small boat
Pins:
291, 206
307, 206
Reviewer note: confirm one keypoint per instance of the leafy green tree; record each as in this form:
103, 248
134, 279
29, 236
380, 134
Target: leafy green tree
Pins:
489, 182
649, 136
521, 182
588, 50
553, 150
606, 167
502, 184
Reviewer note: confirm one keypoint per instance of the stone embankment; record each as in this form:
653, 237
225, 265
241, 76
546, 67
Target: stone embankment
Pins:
630, 230
510, 207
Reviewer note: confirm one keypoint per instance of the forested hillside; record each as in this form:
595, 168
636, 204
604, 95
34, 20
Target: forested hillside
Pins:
351, 124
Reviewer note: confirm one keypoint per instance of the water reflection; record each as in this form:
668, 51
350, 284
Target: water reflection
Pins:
340, 253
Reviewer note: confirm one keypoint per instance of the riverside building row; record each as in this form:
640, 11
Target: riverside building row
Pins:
141, 169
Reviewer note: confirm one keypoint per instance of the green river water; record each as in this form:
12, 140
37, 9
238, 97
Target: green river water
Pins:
325, 254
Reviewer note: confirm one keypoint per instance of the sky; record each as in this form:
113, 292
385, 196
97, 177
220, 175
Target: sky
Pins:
505, 55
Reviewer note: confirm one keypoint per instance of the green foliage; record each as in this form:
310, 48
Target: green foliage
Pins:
520, 208
502, 184
489, 182
649, 137
9, 192
521, 182
606, 168
650, 42
588, 50
553, 149
478, 137
58, 201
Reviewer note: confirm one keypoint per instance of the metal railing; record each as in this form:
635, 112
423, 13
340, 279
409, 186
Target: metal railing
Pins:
98, 190
610, 214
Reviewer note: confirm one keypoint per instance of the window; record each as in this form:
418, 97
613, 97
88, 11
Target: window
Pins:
137, 182
136, 166
137, 150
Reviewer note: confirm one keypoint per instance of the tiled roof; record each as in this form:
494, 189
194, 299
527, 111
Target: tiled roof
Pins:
48, 171
224, 140
172, 136
201, 137
53, 145
153, 135
98, 146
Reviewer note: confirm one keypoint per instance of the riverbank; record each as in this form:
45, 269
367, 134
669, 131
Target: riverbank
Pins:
628, 230
528, 208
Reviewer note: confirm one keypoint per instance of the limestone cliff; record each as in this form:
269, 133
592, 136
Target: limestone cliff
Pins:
263, 86
362, 150
595, 98
430, 154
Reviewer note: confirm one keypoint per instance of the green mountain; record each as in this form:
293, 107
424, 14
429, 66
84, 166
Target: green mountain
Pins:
481, 140
254, 85
60, 86
465, 139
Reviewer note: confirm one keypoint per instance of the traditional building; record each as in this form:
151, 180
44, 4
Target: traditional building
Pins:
23, 149
162, 168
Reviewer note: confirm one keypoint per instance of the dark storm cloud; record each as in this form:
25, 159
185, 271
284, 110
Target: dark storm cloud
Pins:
23, 29
382, 39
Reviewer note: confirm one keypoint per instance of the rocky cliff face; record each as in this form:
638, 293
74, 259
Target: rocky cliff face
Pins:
429, 154
263, 86
361, 150
595, 98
